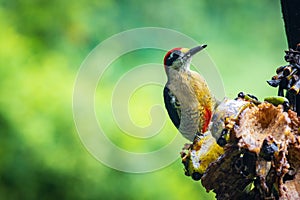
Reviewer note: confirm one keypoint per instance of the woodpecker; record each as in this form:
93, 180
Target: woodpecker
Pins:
187, 97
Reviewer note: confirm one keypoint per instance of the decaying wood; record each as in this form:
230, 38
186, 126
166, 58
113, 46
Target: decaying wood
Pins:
262, 158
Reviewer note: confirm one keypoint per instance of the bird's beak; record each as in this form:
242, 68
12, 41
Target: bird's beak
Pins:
193, 51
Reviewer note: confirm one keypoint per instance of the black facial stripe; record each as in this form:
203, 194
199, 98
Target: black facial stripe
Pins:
172, 57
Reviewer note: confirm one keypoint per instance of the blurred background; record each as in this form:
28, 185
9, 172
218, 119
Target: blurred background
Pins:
43, 44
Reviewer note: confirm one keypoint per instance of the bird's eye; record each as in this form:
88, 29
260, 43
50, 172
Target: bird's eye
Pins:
175, 55
172, 57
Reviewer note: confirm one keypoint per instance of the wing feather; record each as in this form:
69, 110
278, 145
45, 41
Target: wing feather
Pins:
173, 107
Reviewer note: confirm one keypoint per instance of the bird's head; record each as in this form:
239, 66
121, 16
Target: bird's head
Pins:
179, 58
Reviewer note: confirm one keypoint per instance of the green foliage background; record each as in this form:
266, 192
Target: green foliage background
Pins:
42, 46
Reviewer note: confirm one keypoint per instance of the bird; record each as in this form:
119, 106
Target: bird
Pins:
187, 97
190, 105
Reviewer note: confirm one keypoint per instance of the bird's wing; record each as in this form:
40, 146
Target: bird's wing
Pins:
173, 106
